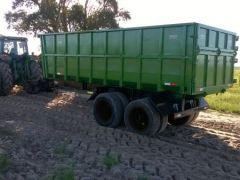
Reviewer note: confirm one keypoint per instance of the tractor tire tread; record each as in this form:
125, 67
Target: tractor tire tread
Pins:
6, 79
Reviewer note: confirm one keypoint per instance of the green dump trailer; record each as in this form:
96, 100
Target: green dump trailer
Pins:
146, 77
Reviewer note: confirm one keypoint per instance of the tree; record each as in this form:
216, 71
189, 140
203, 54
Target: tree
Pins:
64, 15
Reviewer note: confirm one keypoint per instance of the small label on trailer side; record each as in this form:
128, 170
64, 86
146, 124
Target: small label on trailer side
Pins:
173, 36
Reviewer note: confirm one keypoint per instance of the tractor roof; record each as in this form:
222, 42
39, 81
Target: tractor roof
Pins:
12, 38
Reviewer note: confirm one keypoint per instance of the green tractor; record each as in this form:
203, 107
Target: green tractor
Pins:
17, 67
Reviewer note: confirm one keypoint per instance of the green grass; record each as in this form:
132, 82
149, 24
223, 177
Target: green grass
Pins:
4, 163
228, 101
110, 160
61, 149
142, 178
61, 173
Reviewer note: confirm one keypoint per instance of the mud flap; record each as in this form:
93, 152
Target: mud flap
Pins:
203, 104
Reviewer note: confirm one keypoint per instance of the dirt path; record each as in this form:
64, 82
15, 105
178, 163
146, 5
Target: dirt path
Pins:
49, 135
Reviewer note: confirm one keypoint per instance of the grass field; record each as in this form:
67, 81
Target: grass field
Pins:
228, 101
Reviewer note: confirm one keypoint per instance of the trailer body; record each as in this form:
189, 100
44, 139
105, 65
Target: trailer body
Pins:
147, 76
189, 59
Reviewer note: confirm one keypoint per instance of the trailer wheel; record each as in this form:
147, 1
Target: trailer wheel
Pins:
142, 117
124, 102
184, 120
108, 110
123, 99
6, 79
164, 123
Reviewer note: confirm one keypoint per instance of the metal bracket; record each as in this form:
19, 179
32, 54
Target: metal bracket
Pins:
236, 48
237, 38
219, 51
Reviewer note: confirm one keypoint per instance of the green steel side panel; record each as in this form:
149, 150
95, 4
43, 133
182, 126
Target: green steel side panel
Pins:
60, 66
212, 39
174, 41
85, 44
115, 43
114, 69
49, 42
230, 42
72, 66
99, 68
132, 43
220, 70
194, 58
131, 70
200, 71
202, 39
151, 58
228, 76
152, 42
151, 73
72, 44
84, 68
214, 60
189, 57
61, 44
221, 40
99, 43
173, 72
50, 65
211, 70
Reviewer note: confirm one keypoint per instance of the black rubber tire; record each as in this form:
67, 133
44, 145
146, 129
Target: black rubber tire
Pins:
142, 117
124, 100
163, 123
35, 71
163, 109
6, 79
184, 120
36, 75
108, 110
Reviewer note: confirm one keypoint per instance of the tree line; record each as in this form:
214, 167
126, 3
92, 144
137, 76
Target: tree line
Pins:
41, 16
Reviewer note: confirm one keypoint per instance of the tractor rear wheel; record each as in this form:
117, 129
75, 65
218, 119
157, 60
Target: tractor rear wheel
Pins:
35, 75
6, 79
35, 71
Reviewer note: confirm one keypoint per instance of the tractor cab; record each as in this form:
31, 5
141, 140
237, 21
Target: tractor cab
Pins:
13, 46
14, 52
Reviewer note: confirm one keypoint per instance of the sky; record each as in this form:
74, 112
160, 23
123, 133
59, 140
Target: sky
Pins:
223, 14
